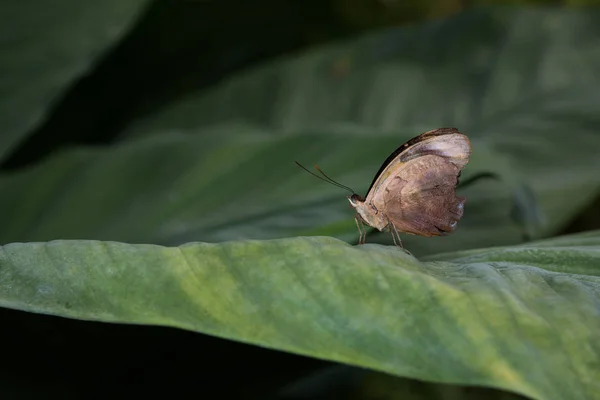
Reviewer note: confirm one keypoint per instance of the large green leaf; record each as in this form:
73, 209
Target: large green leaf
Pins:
214, 187
236, 182
521, 318
47, 45
521, 83
498, 73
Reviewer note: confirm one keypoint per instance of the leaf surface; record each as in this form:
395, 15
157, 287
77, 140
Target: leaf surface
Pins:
521, 83
45, 47
521, 318
177, 189
496, 73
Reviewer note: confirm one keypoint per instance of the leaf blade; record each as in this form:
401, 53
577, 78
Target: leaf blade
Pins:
176, 189
37, 68
479, 322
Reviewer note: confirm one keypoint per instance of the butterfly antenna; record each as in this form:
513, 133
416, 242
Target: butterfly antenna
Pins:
328, 179
332, 181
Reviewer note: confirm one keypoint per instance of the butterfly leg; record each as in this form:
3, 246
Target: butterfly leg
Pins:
396, 238
362, 232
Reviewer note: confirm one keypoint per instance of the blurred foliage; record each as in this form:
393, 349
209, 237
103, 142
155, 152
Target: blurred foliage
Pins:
133, 81
169, 54
377, 13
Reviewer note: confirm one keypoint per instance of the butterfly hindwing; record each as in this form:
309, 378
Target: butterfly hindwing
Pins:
421, 199
416, 189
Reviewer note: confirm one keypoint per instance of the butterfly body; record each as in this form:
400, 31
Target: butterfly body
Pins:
414, 191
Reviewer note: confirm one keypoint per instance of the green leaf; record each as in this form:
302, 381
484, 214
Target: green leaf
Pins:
173, 190
497, 73
520, 83
235, 181
521, 318
45, 47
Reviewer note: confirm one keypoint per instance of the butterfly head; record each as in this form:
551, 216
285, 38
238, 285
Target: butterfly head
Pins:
355, 200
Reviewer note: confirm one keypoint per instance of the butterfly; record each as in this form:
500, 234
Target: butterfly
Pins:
414, 190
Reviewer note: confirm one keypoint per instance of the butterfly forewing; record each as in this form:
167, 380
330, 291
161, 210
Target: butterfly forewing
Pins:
448, 143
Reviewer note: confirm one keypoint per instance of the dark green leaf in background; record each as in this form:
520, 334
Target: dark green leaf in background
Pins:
486, 319
493, 73
523, 82
177, 189
45, 47
531, 115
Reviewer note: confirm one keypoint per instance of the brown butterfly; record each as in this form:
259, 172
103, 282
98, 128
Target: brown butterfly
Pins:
414, 191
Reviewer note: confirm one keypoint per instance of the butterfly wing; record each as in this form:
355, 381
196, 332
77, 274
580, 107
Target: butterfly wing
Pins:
448, 143
421, 199
416, 190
